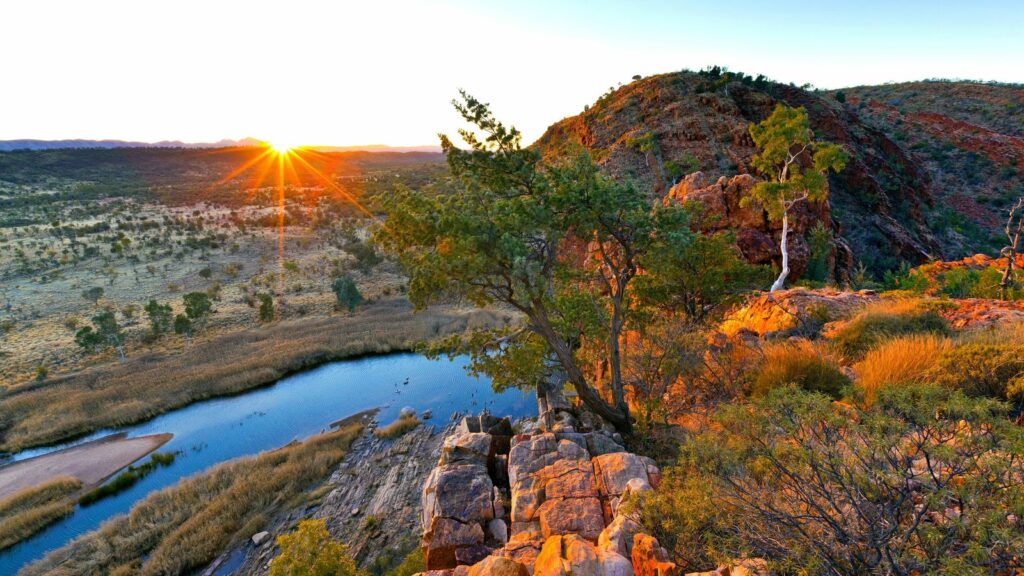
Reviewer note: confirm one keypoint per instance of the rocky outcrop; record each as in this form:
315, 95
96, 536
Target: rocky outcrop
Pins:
757, 237
783, 311
544, 502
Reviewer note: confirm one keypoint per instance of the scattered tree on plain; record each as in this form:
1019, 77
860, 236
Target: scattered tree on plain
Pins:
104, 333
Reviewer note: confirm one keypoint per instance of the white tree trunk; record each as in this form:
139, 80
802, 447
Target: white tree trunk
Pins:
783, 245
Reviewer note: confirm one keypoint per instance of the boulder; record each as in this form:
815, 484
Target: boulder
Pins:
470, 448
568, 479
259, 538
445, 537
618, 536
650, 559
462, 492
407, 412
613, 564
470, 555
580, 516
498, 566
615, 470
566, 555
498, 531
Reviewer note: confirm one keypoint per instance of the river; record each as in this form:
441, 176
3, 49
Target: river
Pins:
294, 408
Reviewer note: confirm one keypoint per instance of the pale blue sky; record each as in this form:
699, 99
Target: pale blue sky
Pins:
344, 73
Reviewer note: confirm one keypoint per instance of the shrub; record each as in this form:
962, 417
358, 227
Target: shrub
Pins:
414, 563
798, 363
995, 370
397, 428
904, 360
347, 293
886, 320
820, 488
310, 551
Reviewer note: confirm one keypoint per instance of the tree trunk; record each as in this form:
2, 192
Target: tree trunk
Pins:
783, 245
617, 416
121, 354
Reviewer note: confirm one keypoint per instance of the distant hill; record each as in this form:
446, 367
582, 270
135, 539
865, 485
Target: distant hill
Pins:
11, 145
932, 167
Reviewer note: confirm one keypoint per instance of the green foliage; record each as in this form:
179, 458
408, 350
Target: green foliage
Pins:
802, 364
93, 294
967, 282
414, 563
266, 309
197, 306
310, 551
922, 482
160, 317
840, 97
781, 140
871, 326
821, 247
512, 231
995, 370
104, 333
676, 169
347, 293
694, 274
183, 325
906, 278
365, 255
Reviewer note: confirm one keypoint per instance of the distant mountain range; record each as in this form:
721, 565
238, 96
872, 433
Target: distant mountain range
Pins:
28, 144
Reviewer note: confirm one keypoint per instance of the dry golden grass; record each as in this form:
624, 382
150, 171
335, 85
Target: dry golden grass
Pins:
28, 511
886, 319
904, 360
148, 385
397, 428
799, 363
184, 527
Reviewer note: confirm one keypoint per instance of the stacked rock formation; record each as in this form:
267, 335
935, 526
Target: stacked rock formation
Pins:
537, 502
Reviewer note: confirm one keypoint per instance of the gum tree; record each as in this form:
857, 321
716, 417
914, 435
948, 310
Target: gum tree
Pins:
795, 167
558, 242
1013, 229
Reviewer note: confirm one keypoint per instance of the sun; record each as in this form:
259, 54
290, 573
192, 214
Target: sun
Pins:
282, 146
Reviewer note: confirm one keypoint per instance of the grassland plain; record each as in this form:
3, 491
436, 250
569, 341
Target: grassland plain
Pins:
183, 527
116, 394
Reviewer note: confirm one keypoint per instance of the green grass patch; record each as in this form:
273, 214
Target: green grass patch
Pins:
128, 478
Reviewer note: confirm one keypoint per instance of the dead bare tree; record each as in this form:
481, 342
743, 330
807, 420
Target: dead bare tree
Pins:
1013, 229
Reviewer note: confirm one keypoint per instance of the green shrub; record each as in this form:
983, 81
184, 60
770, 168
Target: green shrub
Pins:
995, 370
817, 487
414, 563
886, 320
310, 551
801, 364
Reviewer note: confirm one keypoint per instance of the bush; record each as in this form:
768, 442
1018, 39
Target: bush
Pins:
886, 320
310, 551
802, 364
904, 360
995, 370
906, 486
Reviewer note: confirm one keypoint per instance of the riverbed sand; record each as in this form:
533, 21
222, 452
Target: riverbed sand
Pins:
91, 462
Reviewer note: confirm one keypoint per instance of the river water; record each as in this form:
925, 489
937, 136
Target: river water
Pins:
294, 408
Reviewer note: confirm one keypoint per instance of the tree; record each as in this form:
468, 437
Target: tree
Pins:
197, 307
795, 167
183, 326
511, 232
266, 309
160, 317
1013, 229
104, 333
310, 551
347, 293
93, 294
925, 481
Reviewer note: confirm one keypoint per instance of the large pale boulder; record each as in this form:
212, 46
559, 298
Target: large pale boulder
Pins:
615, 470
580, 516
468, 448
618, 536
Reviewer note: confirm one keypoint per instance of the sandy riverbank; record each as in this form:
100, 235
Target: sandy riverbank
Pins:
91, 462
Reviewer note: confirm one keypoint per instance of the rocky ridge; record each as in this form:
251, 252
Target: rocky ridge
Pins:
546, 500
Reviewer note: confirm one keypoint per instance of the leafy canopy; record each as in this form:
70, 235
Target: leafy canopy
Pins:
310, 551
784, 140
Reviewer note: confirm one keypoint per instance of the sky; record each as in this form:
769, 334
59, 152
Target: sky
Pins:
341, 73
